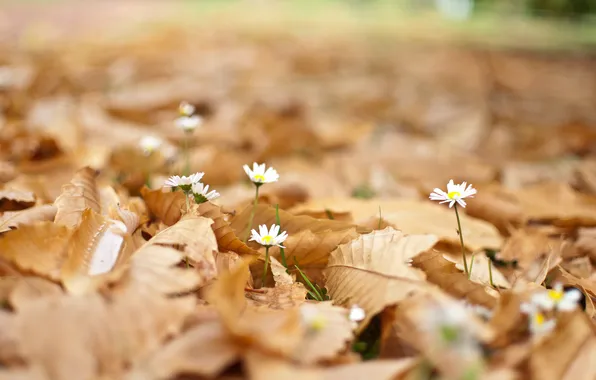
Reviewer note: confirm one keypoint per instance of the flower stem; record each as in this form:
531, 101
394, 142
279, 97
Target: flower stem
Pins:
187, 202
461, 240
282, 251
490, 272
252, 214
266, 265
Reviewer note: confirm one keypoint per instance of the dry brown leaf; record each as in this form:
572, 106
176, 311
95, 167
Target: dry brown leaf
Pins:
39, 248
558, 204
15, 200
480, 273
262, 367
443, 273
9, 220
77, 196
95, 248
227, 238
553, 357
29, 289
204, 350
282, 296
97, 338
496, 208
583, 366
280, 273
166, 206
373, 271
585, 177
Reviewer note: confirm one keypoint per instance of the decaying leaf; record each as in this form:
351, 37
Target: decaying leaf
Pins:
373, 271
15, 200
77, 196
12, 219
480, 273
39, 248
166, 206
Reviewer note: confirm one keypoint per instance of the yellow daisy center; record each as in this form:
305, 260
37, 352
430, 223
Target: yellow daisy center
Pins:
555, 295
539, 318
453, 194
267, 239
259, 177
318, 323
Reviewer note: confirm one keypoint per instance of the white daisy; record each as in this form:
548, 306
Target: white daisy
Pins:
312, 317
539, 325
202, 194
186, 109
269, 238
258, 175
557, 298
455, 193
150, 144
189, 123
184, 183
357, 314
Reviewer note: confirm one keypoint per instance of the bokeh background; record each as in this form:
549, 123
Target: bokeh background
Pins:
373, 97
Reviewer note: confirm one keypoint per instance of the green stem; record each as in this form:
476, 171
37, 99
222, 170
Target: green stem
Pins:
461, 240
252, 213
490, 272
266, 266
187, 202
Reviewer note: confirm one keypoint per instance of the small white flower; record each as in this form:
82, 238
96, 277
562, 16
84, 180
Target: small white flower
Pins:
202, 194
450, 323
150, 144
269, 238
312, 317
184, 183
455, 193
188, 123
356, 315
259, 175
186, 109
479, 310
539, 325
557, 298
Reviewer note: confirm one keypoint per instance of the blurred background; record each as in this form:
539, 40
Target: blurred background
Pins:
369, 94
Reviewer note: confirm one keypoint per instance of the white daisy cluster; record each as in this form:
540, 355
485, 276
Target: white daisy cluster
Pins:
269, 238
188, 121
150, 144
455, 194
312, 318
545, 304
192, 185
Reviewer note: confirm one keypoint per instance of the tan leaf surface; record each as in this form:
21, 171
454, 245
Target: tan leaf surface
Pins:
96, 338
583, 366
261, 367
204, 350
30, 289
282, 296
557, 203
443, 273
80, 194
166, 206
39, 248
227, 238
373, 271
12, 219
15, 200
480, 273
94, 249
497, 208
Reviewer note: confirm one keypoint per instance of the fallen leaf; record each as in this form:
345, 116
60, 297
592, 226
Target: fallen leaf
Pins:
166, 206
39, 248
480, 273
373, 271
77, 196
15, 200
282, 296
9, 220
29, 289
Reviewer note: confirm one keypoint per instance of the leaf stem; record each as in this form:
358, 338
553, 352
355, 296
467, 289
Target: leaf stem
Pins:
461, 240
266, 265
490, 272
252, 213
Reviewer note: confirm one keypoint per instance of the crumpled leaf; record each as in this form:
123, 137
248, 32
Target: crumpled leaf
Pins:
39, 248
15, 200
80, 194
443, 273
12, 219
373, 271
284, 296
166, 206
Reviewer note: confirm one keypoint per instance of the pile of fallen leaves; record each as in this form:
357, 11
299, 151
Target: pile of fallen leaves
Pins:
104, 274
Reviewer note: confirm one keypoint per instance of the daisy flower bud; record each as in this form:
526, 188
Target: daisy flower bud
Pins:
558, 299
270, 237
258, 175
189, 123
184, 183
202, 194
455, 193
150, 144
